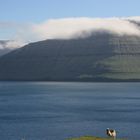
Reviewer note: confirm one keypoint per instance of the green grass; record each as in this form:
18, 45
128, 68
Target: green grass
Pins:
123, 67
92, 138
124, 63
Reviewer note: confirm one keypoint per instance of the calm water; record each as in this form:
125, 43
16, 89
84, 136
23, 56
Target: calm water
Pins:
56, 111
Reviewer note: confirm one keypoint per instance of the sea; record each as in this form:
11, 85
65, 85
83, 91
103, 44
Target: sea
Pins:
63, 110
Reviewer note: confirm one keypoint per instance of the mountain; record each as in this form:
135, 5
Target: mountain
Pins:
101, 56
4, 51
8, 45
3, 48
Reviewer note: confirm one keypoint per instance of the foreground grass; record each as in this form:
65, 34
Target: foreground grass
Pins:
92, 138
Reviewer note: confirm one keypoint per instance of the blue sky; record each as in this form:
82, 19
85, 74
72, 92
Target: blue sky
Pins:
40, 10
16, 15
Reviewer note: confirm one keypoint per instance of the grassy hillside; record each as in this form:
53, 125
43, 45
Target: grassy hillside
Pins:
100, 57
92, 138
123, 67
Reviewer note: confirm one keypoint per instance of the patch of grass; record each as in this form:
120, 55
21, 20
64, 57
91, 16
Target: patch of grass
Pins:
123, 67
124, 63
92, 138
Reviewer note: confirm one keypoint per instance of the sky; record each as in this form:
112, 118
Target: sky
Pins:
40, 10
18, 16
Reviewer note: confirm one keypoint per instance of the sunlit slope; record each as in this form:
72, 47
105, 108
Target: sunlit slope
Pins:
125, 63
99, 57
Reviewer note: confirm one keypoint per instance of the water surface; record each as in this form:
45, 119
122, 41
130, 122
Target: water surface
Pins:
56, 111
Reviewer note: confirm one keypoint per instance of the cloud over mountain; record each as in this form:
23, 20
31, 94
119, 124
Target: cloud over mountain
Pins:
68, 28
10, 44
74, 27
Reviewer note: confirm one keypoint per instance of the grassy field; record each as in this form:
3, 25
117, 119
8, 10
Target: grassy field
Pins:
92, 138
123, 67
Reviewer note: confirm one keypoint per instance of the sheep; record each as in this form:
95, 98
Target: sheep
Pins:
111, 133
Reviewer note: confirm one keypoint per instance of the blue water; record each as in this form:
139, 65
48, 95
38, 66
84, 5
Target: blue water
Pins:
56, 111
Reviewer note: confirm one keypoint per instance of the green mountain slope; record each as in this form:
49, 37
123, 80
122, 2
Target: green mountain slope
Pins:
100, 57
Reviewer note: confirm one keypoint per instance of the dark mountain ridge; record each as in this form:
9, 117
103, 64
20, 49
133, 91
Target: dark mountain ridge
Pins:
100, 57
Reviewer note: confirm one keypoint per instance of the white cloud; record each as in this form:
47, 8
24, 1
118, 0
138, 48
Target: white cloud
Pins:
136, 18
67, 28
11, 44
14, 44
70, 27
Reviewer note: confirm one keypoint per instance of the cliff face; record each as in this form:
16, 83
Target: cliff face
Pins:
100, 57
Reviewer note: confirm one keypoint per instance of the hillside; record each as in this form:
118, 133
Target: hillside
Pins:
100, 57
3, 47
